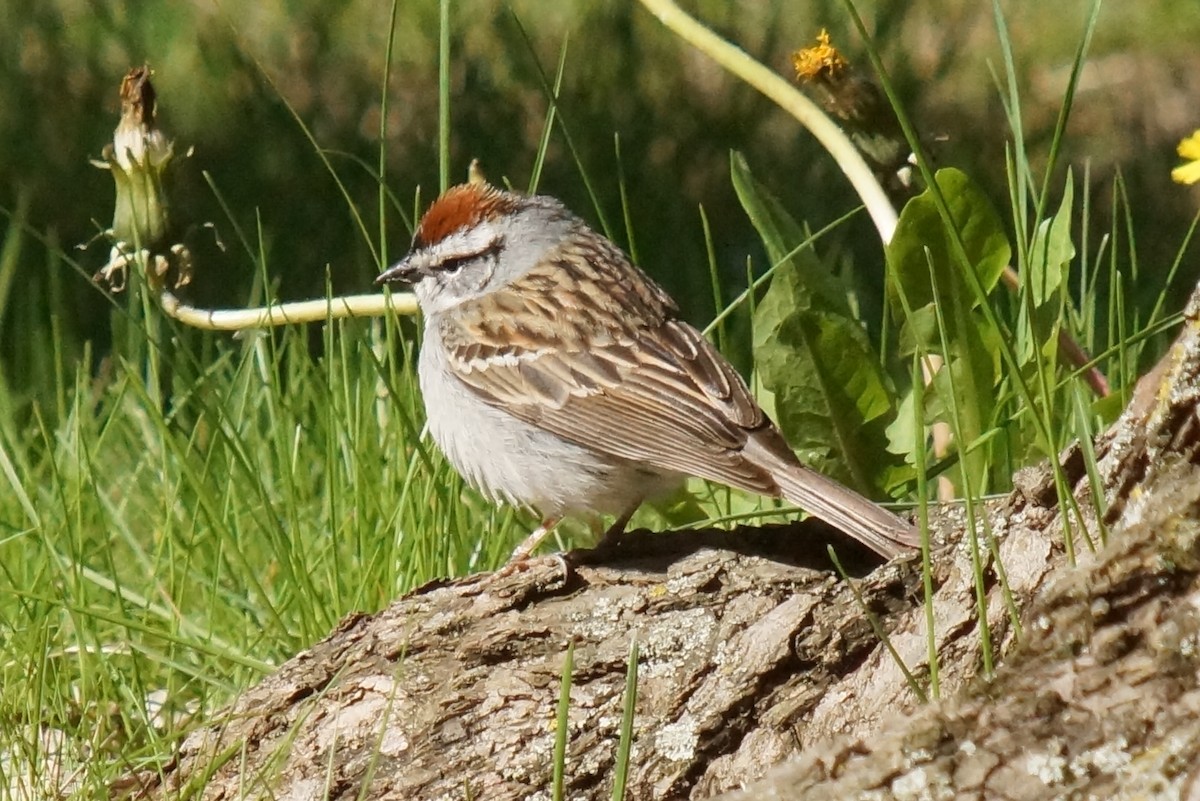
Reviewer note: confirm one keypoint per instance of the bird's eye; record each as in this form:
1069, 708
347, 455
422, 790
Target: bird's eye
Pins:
453, 265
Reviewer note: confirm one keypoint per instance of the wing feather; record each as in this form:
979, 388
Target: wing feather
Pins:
627, 378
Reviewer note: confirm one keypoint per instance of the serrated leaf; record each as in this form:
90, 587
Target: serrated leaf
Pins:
832, 399
905, 434
970, 380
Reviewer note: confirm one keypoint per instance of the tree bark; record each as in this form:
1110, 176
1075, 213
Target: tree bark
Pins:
753, 653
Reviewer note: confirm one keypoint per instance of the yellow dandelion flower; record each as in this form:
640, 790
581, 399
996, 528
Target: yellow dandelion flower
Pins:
1188, 149
820, 60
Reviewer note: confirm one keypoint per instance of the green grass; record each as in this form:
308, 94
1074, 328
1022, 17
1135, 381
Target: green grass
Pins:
187, 545
185, 511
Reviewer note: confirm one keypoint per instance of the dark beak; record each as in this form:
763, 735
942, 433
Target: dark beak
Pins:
405, 271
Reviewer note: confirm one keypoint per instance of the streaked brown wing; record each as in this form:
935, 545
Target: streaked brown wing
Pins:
624, 378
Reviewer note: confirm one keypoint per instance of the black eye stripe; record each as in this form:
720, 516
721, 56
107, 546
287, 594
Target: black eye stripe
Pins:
452, 264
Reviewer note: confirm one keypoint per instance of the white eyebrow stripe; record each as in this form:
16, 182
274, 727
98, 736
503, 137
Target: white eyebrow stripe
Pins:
465, 243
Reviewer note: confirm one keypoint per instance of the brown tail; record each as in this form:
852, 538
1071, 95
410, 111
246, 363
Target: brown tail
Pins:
866, 521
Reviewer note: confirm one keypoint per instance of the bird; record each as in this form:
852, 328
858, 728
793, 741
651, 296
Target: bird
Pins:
557, 376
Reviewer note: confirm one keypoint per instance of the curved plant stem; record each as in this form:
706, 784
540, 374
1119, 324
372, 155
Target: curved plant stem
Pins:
308, 311
791, 100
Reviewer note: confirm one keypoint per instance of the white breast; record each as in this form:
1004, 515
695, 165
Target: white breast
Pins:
510, 460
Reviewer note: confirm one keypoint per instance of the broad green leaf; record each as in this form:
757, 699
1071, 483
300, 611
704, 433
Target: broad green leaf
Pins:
968, 377
1052, 251
921, 239
1044, 276
1109, 409
781, 236
972, 357
907, 432
832, 399
925, 269
962, 392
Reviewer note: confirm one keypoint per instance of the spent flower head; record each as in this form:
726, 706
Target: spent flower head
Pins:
138, 158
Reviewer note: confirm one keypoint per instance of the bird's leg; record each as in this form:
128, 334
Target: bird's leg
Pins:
530, 543
520, 555
613, 535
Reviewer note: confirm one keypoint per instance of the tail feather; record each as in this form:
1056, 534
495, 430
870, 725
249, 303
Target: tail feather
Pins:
866, 521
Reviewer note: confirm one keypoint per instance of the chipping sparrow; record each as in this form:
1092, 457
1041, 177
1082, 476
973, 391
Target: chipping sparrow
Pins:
558, 376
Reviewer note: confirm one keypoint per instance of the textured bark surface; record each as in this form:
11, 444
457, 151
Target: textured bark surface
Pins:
1101, 699
750, 650
753, 653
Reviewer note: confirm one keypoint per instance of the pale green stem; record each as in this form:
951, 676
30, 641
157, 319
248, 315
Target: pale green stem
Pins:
791, 100
308, 311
